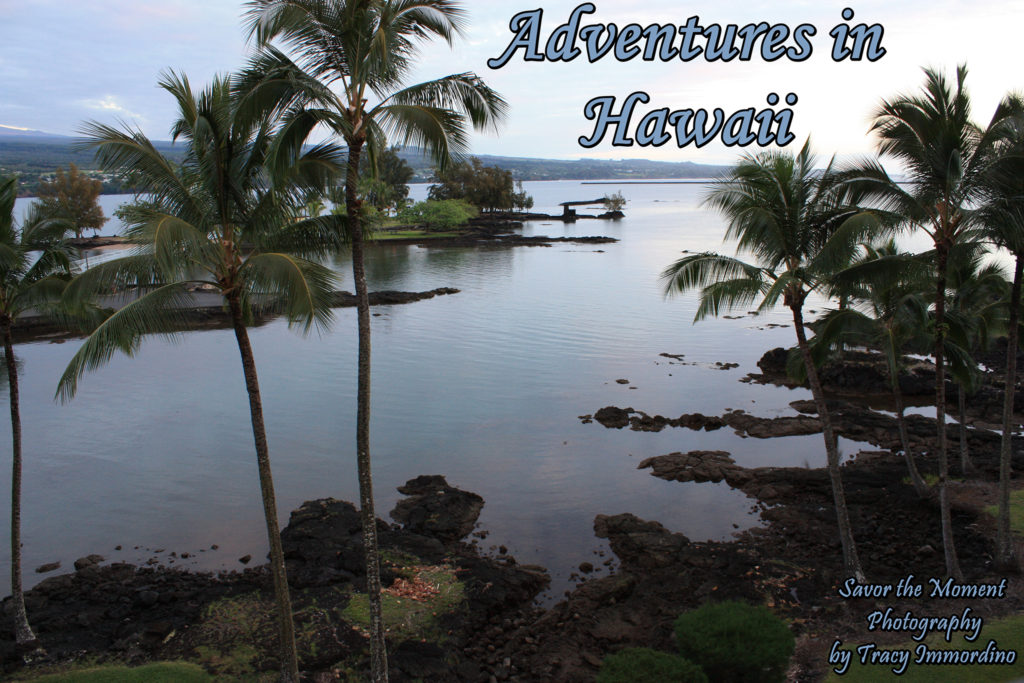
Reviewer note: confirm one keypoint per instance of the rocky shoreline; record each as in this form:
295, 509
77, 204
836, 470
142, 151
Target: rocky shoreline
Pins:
121, 612
209, 312
469, 617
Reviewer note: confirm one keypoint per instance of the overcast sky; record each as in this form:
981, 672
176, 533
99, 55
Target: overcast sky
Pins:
64, 62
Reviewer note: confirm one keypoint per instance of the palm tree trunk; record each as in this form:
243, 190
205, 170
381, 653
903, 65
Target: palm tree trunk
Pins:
1004, 542
850, 561
961, 405
378, 647
23, 635
920, 485
289, 655
949, 549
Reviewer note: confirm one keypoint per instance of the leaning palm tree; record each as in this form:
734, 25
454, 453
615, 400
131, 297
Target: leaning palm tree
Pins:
946, 159
885, 309
365, 49
35, 267
224, 219
800, 229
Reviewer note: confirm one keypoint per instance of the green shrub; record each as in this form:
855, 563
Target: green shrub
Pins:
438, 215
644, 665
735, 642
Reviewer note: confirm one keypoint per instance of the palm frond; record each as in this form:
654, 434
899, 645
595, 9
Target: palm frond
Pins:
158, 312
727, 295
304, 288
697, 271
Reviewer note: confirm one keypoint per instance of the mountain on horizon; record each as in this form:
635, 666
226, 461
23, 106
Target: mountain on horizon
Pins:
7, 132
32, 153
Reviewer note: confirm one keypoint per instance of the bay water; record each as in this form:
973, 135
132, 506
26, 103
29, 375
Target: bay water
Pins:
485, 387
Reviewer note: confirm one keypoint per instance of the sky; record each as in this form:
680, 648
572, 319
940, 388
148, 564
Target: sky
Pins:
63, 63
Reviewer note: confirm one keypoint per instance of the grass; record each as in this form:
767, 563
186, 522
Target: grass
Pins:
1016, 511
1008, 634
932, 480
163, 672
231, 629
385, 235
409, 617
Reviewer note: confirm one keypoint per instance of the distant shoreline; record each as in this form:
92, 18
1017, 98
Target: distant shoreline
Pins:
708, 181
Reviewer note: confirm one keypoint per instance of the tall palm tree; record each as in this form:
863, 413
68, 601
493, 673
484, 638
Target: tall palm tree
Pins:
365, 49
225, 219
1003, 218
800, 229
946, 159
34, 270
885, 310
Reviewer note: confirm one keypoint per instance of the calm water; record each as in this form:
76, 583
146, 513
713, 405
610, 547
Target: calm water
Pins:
484, 387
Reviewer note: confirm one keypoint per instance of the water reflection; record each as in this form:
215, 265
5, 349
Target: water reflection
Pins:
485, 387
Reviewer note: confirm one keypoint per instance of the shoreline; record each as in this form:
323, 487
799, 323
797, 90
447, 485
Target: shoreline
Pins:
659, 574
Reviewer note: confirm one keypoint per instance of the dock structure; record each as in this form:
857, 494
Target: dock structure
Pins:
569, 214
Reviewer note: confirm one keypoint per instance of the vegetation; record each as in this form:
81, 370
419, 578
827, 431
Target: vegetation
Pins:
438, 215
947, 160
414, 603
883, 309
72, 197
35, 267
734, 642
644, 665
365, 49
487, 187
242, 210
614, 202
1016, 512
35, 160
384, 182
236, 187
1008, 633
977, 309
802, 229
386, 235
1003, 218
161, 672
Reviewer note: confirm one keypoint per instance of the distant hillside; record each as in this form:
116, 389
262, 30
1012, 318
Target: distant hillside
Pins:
34, 155
12, 131
523, 168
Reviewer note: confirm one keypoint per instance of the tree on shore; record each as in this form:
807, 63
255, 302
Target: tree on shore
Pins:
489, 188
35, 266
73, 197
614, 202
366, 49
1003, 219
884, 309
800, 230
225, 219
946, 160
978, 293
384, 183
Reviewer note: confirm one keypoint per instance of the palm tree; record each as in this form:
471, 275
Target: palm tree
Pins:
34, 270
225, 219
1003, 217
977, 303
946, 159
800, 230
365, 49
885, 310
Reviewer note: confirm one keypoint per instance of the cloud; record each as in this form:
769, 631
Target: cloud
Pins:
109, 104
